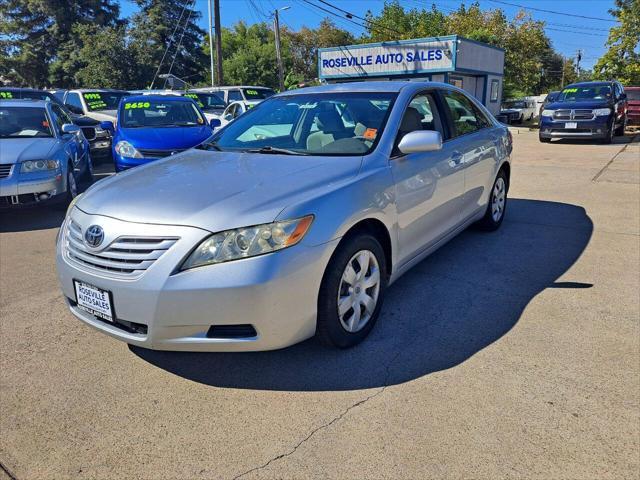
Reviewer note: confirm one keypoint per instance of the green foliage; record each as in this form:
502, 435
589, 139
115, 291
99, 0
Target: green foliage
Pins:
304, 45
622, 60
396, 23
153, 28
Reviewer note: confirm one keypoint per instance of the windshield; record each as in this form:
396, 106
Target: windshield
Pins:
257, 93
583, 94
20, 122
102, 100
312, 124
633, 95
515, 104
206, 101
159, 113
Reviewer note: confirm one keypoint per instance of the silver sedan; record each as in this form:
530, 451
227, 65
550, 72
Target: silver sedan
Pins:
290, 222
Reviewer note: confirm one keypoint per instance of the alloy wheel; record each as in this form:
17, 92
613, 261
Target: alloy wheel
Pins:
358, 291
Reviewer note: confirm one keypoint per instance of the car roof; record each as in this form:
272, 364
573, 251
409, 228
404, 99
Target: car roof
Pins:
25, 103
229, 87
393, 86
100, 90
590, 84
156, 96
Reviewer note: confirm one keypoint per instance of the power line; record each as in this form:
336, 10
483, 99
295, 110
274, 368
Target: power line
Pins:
370, 24
184, 29
577, 33
169, 44
554, 12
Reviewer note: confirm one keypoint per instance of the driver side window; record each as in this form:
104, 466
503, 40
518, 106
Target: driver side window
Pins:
73, 103
421, 114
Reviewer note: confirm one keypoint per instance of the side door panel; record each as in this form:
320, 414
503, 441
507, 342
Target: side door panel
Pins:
429, 190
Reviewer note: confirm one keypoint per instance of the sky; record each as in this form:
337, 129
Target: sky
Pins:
568, 32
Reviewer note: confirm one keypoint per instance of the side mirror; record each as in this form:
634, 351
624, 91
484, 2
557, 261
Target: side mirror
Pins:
215, 123
70, 128
107, 125
420, 141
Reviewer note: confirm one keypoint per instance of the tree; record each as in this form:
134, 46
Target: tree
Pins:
38, 37
249, 55
103, 68
622, 60
167, 26
396, 23
304, 44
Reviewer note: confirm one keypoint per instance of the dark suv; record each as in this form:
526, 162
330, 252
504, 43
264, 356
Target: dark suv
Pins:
99, 138
595, 110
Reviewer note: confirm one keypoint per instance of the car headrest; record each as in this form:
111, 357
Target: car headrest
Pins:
329, 121
411, 121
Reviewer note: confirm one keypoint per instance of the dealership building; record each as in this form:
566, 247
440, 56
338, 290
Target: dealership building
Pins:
475, 67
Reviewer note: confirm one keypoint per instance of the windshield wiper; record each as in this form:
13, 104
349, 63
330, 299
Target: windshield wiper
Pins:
209, 146
275, 150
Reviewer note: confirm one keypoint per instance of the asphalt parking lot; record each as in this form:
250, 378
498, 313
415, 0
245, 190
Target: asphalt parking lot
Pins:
511, 354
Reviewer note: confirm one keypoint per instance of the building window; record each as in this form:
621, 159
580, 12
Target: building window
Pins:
456, 81
494, 90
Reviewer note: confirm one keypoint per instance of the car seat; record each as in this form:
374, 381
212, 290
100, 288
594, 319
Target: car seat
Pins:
330, 128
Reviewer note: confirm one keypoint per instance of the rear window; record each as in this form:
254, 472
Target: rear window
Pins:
159, 113
258, 93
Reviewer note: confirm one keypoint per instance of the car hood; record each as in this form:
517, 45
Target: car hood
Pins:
104, 115
16, 150
165, 138
215, 191
579, 105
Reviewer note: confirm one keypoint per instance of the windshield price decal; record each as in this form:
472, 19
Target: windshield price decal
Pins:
570, 90
195, 97
6, 95
92, 96
251, 92
128, 106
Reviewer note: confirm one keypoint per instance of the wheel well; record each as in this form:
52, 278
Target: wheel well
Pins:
506, 168
377, 229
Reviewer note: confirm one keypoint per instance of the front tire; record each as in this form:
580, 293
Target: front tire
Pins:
351, 292
543, 139
497, 204
620, 130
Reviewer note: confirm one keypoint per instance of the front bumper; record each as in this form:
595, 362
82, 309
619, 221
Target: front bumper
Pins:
597, 128
125, 163
160, 309
27, 189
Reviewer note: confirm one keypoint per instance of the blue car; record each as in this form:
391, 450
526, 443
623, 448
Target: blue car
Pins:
150, 127
589, 110
43, 156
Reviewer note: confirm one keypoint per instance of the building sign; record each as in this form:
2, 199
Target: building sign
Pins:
388, 58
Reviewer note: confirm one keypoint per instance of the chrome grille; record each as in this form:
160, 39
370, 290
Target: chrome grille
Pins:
573, 114
5, 170
582, 114
125, 256
89, 132
562, 115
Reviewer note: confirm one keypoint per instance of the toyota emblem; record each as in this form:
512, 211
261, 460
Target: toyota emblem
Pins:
94, 236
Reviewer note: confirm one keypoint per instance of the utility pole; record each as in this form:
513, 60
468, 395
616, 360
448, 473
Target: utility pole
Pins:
578, 58
216, 7
276, 28
562, 81
211, 39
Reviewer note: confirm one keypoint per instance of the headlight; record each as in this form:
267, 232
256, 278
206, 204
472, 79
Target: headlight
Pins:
602, 112
248, 242
547, 113
38, 166
125, 149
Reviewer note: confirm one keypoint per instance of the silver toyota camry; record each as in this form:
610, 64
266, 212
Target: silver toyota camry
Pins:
290, 222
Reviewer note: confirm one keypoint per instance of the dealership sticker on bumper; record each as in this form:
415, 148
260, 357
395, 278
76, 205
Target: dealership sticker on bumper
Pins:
94, 300
571, 125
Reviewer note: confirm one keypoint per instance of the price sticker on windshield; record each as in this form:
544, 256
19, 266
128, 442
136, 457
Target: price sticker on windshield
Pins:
92, 96
6, 95
251, 92
131, 105
570, 90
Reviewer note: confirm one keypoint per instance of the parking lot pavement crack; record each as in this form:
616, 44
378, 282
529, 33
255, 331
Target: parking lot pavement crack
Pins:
635, 139
329, 423
8, 472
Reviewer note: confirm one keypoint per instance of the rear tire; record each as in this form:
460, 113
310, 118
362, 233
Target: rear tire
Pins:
497, 205
351, 292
